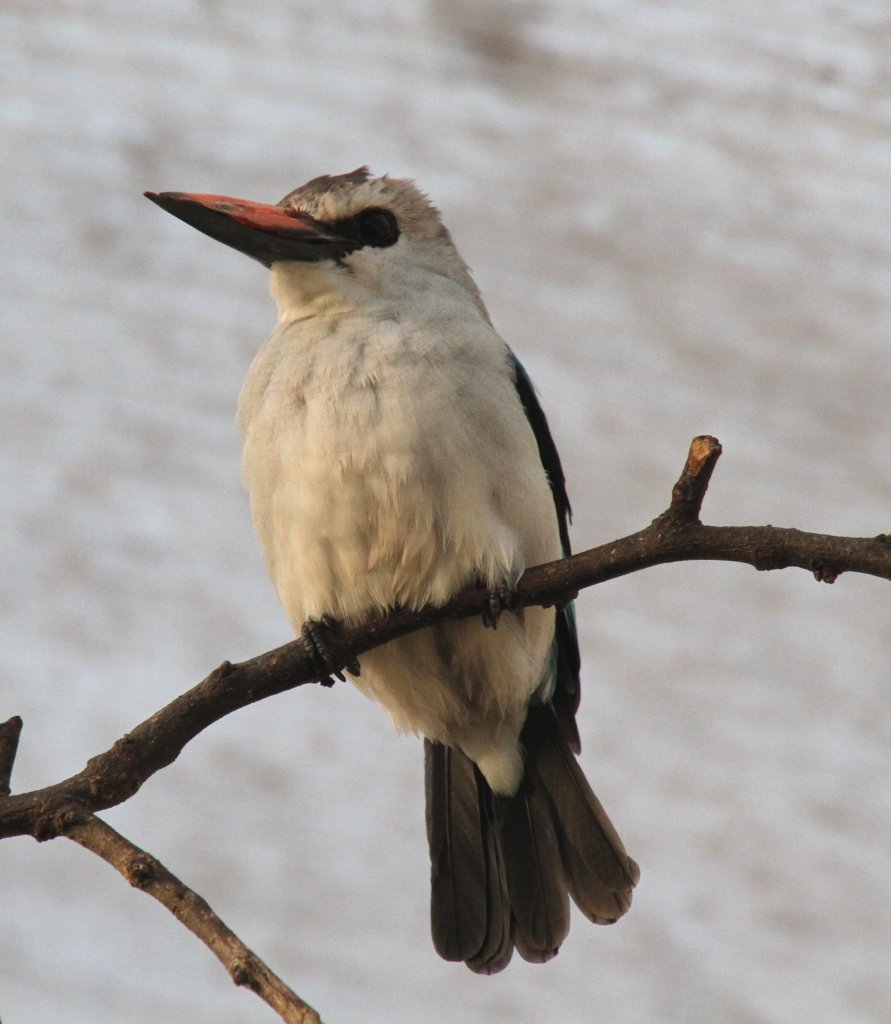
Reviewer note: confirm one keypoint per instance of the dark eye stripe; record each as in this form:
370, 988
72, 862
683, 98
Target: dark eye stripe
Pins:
375, 227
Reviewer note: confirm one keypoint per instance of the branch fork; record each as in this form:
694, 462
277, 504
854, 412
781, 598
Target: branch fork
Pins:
68, 807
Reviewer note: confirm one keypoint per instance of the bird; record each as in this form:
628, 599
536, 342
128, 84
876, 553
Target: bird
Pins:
395, 453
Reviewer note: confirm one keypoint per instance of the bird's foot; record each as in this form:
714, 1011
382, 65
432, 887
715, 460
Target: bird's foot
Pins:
502, 598
316, 636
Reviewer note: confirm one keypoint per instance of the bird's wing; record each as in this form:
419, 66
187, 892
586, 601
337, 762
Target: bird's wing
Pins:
568, 663
547, 450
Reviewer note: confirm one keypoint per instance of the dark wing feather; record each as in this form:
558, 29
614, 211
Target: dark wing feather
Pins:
547, 450
566, 692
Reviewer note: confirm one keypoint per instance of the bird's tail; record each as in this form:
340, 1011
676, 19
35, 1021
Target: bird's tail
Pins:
503, 868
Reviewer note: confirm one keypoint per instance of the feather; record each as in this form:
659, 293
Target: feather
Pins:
470, 910
547, 450
567, 690
498, 947
538, 893
599, 873
457, 855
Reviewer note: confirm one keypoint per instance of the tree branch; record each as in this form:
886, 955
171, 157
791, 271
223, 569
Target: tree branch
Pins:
145, 872
675, 535
115, 775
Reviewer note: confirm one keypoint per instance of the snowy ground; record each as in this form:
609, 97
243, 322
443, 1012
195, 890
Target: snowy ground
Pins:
679, 214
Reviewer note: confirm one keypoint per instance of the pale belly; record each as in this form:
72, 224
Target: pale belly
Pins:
367, 498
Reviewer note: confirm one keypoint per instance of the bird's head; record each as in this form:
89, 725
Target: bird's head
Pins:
337, 234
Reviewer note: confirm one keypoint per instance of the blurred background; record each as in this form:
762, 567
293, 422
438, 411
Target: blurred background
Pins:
679, 215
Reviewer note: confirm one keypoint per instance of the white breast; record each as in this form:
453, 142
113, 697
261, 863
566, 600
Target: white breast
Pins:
389, 462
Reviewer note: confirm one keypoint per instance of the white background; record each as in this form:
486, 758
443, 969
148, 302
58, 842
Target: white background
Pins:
680, 216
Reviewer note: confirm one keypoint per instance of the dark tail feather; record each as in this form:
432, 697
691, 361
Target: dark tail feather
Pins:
470, 911
502, 868
599, 873
538, 894
498, 946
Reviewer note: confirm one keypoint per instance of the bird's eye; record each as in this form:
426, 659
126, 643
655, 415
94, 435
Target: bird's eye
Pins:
377, 227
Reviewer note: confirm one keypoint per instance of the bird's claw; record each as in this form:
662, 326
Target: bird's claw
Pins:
315, 635
501, 599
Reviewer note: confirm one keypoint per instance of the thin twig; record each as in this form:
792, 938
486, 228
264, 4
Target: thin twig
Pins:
688, 493
9, 745
145, 872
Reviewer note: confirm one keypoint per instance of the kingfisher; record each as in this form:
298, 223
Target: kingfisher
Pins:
396, 453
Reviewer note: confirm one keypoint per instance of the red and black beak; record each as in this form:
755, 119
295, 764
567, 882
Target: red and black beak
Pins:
265, 233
